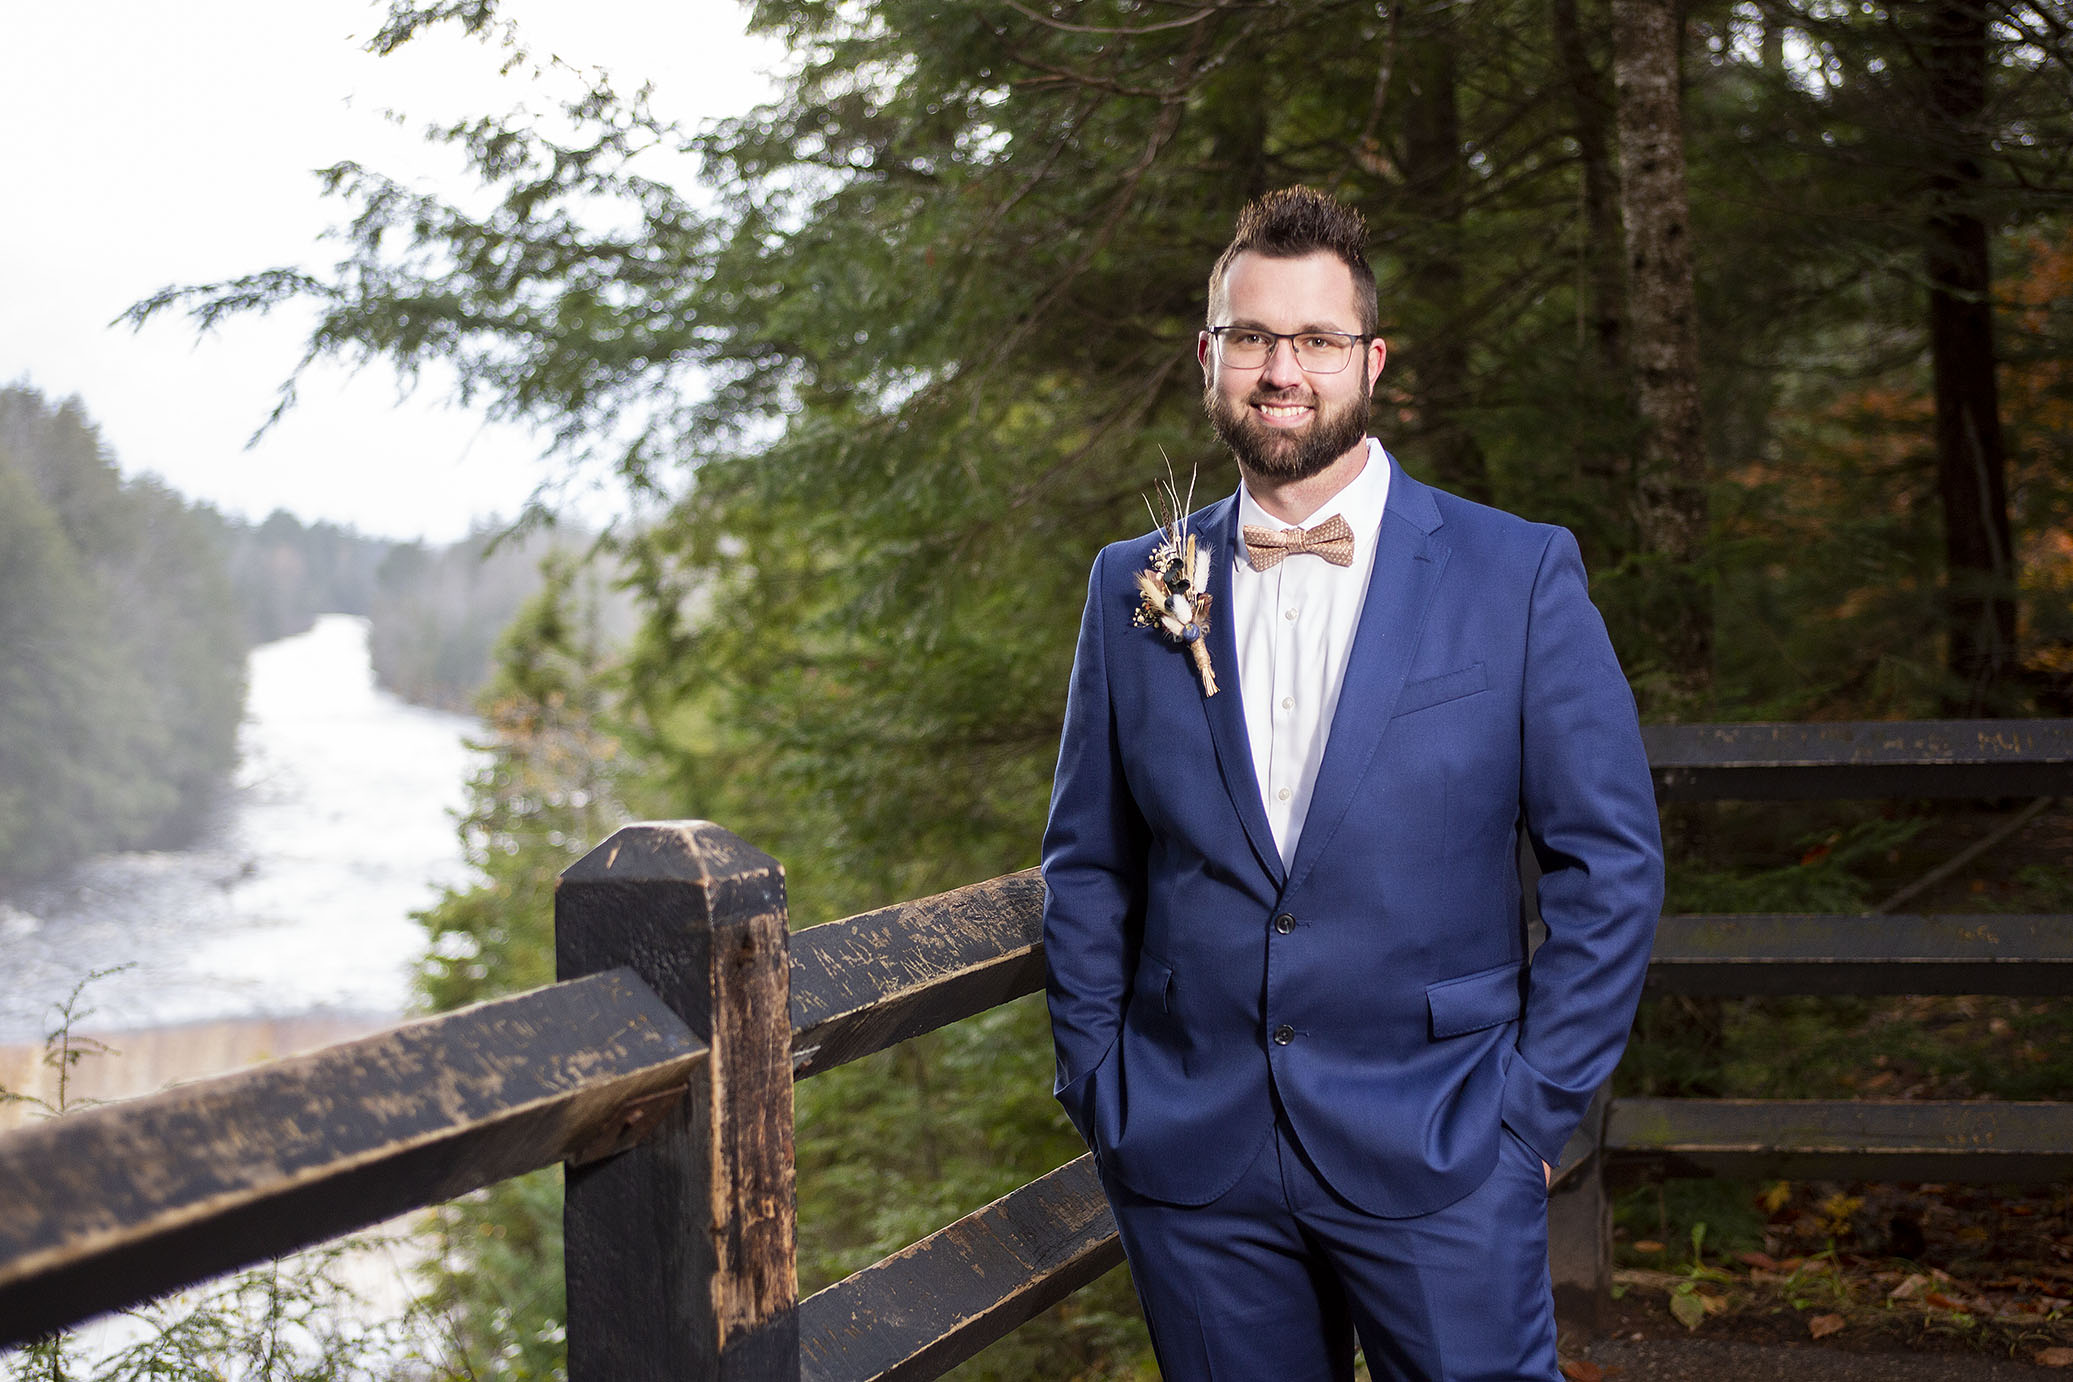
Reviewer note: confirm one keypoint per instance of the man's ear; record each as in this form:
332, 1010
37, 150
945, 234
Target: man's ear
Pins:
1202, 349
1378, 355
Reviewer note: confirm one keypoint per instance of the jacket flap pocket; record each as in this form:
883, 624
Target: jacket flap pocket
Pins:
1474, 1001
1451, 686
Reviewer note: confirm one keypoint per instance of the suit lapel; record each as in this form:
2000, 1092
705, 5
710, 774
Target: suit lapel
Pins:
1408, 560
1225, 710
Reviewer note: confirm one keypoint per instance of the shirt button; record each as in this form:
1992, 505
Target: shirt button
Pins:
1283, 795
1288, 702
1284, 1034
1284, 923
1288, 614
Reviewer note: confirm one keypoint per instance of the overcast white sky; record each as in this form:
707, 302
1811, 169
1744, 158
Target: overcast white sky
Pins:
144, 144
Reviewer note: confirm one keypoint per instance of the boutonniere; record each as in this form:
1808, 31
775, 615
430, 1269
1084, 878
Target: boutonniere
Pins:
1174, 587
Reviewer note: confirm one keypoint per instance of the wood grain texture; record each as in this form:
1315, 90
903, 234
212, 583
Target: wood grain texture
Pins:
1861, 760
111, 1206
874, 980
680, 1255
923, 1310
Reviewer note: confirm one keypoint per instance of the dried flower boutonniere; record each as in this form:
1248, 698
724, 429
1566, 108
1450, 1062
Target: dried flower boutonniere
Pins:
1173, 589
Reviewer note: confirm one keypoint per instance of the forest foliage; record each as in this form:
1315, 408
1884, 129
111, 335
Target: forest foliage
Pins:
122, 659
126, 612
917, 343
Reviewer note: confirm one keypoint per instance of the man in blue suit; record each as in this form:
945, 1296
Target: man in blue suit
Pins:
1295, 1015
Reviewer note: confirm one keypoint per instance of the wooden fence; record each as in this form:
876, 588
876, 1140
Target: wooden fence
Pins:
659, 1072
1884, 952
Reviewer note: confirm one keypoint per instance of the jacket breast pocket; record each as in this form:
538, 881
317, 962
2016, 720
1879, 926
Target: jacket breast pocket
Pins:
1432, 691
1474, 1001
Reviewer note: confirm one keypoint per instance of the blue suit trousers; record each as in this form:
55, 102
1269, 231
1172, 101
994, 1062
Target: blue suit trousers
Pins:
1274, 1280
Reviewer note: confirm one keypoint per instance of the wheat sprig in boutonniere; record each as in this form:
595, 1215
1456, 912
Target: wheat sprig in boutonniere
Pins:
1174, 588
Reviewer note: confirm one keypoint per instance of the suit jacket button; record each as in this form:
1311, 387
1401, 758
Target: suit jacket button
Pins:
1284, 1034
1284, 923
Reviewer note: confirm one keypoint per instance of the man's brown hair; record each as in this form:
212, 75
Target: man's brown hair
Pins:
1292, 223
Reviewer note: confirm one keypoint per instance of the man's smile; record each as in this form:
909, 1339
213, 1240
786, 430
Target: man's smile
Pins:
1285, 413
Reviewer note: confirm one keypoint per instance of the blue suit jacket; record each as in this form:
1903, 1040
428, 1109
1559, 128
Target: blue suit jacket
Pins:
1481, 697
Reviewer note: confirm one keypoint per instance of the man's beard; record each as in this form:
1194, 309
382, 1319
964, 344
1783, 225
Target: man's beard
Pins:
1276, 455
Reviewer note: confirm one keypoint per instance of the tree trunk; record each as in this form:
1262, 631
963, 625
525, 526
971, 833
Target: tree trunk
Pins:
1971, 465
1672, 510
1433, 185
1600, 315
1601, 432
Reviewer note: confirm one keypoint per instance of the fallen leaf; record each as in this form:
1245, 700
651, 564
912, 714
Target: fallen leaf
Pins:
1821, 1326
1583, 1370
1909, 1289
1688, 1308
2055, 1357
1648, 1245
1757, 1259
1776, 1197
1942, 1301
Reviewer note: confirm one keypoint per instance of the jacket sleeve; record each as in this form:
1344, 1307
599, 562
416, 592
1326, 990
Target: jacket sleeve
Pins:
1094, 875
1589, 809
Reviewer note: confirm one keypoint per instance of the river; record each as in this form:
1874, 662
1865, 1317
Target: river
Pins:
285, 925
296, 896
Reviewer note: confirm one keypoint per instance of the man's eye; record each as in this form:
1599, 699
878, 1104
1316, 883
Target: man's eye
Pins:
1248, 339
1320, 342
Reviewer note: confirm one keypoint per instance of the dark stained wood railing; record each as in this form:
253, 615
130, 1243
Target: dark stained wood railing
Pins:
110, 1206
1833, 955
659, 1072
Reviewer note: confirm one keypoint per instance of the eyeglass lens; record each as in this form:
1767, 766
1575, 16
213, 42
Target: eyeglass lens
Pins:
1317, 351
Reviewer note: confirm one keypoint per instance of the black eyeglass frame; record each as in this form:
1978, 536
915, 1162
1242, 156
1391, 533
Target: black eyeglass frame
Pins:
1353, 339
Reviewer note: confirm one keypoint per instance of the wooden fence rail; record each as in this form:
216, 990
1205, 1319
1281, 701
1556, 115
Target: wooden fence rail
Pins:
659, 1071
1834, 955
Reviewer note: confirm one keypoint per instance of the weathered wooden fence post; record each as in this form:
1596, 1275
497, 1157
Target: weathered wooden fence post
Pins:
680, 1253
1580, 1229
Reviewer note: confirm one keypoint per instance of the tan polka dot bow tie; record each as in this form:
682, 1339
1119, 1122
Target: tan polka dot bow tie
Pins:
1331, 539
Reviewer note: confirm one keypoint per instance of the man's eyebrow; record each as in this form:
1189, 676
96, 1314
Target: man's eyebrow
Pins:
1303, 330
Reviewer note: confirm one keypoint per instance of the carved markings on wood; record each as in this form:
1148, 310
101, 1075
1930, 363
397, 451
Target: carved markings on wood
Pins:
926, 1308
874, 980
110, 1206
680, 1255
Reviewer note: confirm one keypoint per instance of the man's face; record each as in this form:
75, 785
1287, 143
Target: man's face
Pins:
1280, 421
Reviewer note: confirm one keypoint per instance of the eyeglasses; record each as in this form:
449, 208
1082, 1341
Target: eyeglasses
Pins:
1317, 352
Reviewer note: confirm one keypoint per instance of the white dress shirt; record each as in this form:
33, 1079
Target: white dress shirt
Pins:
1294, 626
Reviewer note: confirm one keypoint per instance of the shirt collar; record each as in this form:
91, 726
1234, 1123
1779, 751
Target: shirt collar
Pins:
1361, 502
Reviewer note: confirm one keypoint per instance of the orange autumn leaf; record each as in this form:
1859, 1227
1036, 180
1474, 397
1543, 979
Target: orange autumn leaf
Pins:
1821, 1326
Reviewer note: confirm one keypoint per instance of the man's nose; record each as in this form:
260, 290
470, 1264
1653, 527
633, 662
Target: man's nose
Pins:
1282, 369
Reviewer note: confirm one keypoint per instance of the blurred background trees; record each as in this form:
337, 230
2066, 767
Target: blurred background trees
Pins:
914, 344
